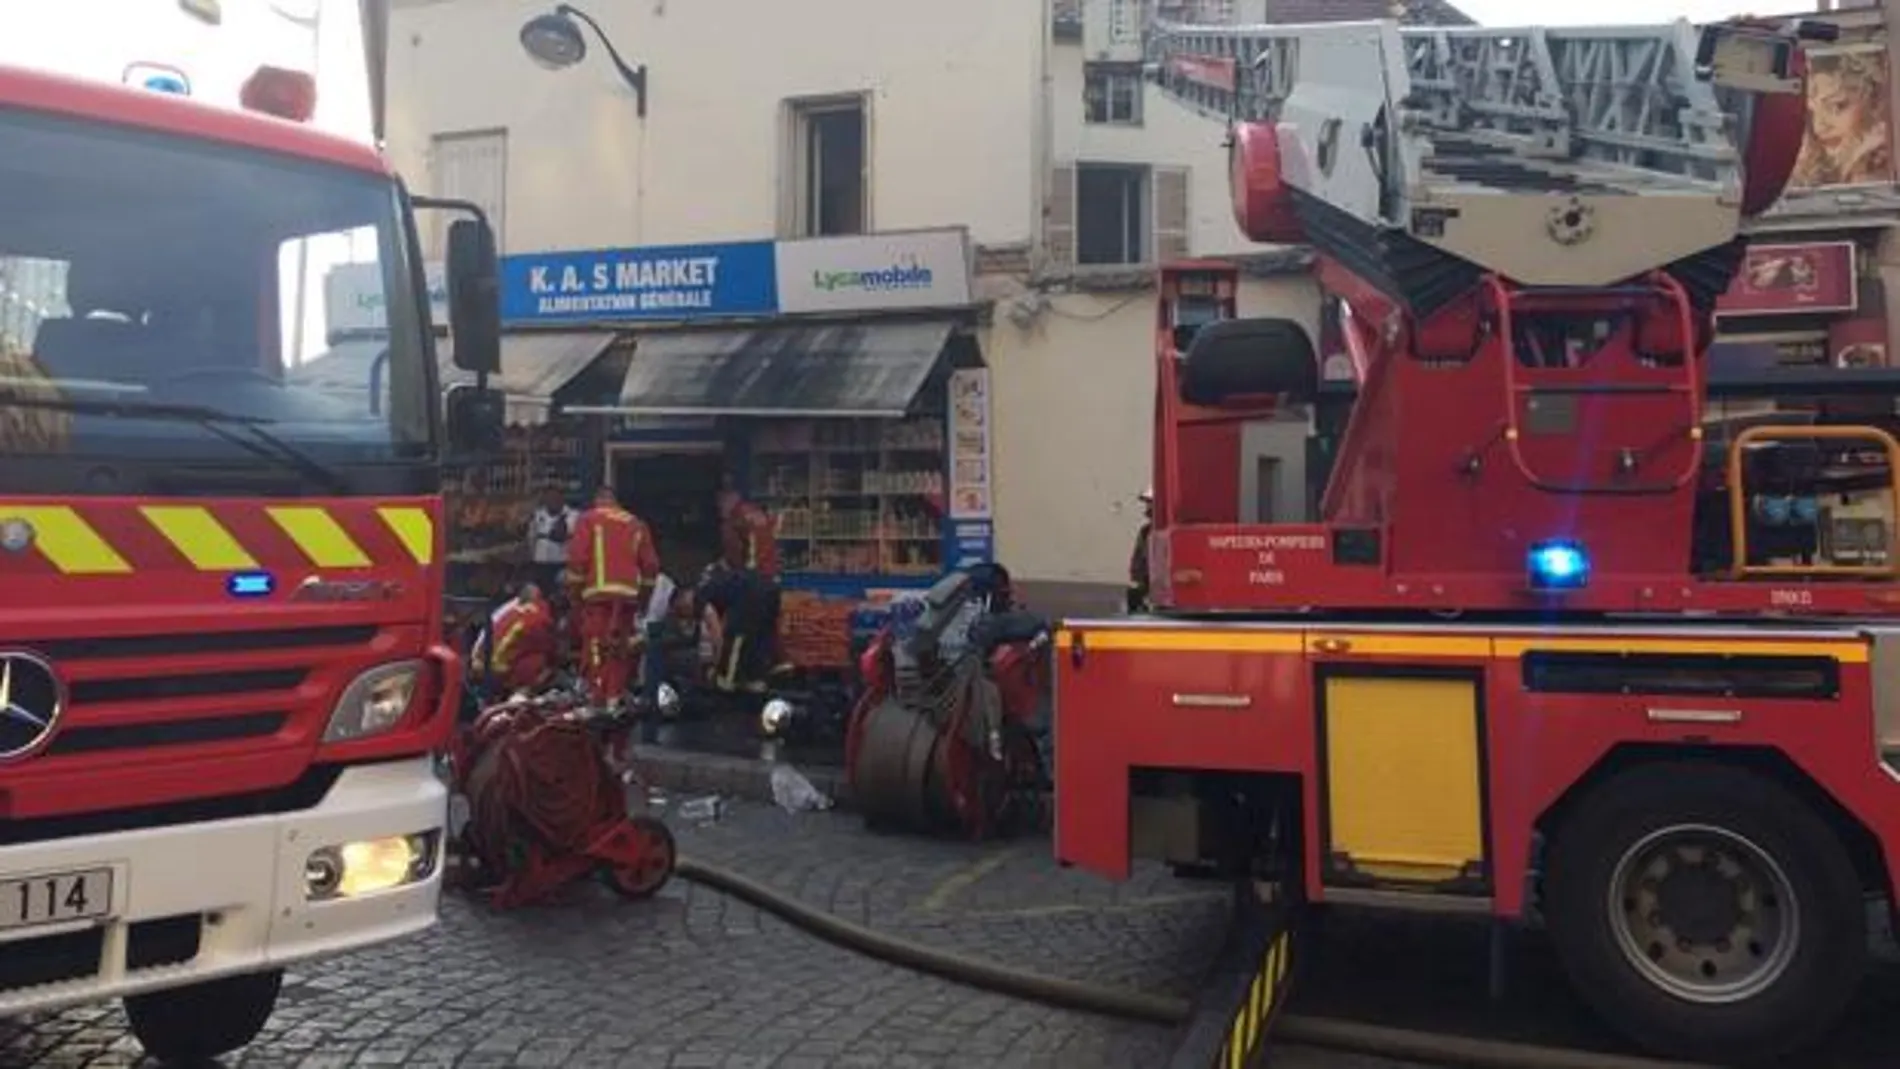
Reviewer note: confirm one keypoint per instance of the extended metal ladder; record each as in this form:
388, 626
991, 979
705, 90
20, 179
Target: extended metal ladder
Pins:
1574, 157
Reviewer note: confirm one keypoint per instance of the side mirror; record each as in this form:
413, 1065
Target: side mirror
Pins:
477, 420
474, 296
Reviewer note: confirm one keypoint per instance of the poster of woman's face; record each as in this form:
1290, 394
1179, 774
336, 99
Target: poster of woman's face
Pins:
1849, 137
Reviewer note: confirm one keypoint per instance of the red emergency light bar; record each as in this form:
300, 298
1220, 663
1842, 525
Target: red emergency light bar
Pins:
287, 94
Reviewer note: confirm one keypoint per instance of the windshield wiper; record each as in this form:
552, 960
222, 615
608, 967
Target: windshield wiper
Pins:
249, 435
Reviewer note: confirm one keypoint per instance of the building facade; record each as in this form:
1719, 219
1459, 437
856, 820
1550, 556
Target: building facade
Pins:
1821, 284
867, 129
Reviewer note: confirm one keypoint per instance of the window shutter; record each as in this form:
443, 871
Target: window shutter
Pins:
1058, 217
1171, 217
471, 167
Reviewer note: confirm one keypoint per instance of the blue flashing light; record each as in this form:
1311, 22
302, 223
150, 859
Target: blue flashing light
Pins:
250, 584
1558, 565
158, 78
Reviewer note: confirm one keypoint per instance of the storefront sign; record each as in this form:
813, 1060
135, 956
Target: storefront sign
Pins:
972, 542
1793, 279
661, 282
863, 273
970, 444
354, 304
875, 272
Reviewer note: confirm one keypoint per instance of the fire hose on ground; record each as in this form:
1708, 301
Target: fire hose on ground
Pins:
1335, 1034
539, 781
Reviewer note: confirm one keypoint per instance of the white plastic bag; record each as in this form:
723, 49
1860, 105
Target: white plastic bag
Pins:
794, 793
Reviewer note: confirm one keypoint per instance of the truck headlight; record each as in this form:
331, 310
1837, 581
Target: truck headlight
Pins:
352, 870
373, 702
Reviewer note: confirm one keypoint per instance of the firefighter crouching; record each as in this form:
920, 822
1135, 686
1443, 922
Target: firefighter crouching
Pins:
516, 651
611, 566
748, 606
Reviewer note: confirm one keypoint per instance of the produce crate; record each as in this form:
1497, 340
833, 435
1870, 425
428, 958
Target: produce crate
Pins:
815, 632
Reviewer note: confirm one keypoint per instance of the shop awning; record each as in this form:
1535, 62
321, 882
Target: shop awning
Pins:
533, 367
819, 370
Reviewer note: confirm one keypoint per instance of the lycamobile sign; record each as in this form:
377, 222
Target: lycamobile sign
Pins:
902, 276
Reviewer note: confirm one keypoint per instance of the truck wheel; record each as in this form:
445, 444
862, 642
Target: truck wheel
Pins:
1706, 913
191, 1025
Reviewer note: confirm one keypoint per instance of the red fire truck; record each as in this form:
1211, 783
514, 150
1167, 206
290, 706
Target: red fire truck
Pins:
222, 678
1510, 602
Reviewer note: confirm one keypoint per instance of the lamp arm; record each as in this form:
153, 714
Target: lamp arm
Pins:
635, 77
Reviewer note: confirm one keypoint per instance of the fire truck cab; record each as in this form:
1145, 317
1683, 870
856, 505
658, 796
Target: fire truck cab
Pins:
1492, 610
222, 674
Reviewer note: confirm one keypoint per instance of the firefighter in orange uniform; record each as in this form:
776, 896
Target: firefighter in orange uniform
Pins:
611, 567
750, 538
518, 647
749, 603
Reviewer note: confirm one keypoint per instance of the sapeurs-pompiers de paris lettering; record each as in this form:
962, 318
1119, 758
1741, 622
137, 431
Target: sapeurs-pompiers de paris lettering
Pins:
672, 284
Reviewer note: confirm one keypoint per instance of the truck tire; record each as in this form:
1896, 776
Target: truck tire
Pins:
192, 1025
1706, 913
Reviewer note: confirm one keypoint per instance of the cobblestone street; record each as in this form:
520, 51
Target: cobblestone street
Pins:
694, 979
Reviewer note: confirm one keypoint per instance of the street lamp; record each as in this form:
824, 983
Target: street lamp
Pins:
555, 41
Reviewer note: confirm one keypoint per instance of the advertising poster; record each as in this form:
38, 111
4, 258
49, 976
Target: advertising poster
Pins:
970, 444
1790, 279
1849, 140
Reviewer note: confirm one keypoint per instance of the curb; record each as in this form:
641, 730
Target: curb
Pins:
691, 772
687, 772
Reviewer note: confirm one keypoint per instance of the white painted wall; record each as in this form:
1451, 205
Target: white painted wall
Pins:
1073, 412
1169, 135
962, 125
952, 117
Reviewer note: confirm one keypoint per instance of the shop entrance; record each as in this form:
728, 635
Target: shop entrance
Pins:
673, 488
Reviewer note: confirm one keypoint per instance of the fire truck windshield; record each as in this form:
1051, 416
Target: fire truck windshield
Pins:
171, 306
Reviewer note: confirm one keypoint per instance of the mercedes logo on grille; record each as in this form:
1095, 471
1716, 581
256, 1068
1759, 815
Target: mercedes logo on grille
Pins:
32, 699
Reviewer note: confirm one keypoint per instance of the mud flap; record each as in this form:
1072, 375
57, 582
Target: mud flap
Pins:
1234, 1015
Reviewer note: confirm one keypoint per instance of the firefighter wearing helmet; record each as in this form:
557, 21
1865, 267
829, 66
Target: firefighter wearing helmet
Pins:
611, 567
516, 650
1138, 560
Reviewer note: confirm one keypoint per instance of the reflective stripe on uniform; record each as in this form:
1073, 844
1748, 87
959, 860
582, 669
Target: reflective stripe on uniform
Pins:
500, 658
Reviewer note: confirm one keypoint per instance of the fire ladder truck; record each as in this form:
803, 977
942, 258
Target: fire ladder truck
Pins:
1501, 612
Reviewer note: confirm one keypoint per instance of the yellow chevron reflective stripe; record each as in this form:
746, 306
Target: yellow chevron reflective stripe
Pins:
320, 537
197, 534
1247, 1030
67, 540
415, 530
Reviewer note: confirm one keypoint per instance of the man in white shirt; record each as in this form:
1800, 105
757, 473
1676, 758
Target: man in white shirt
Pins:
548, 534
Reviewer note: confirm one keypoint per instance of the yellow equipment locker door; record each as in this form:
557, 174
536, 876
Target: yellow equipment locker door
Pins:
1404, 783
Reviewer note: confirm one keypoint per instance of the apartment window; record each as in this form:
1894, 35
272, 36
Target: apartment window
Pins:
1124, 21
1111, 213
1107, 214
1111, 94
472, 167
829, 154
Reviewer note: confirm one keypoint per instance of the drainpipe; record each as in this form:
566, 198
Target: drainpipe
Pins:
375, 25
1887, 247
1043, 151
